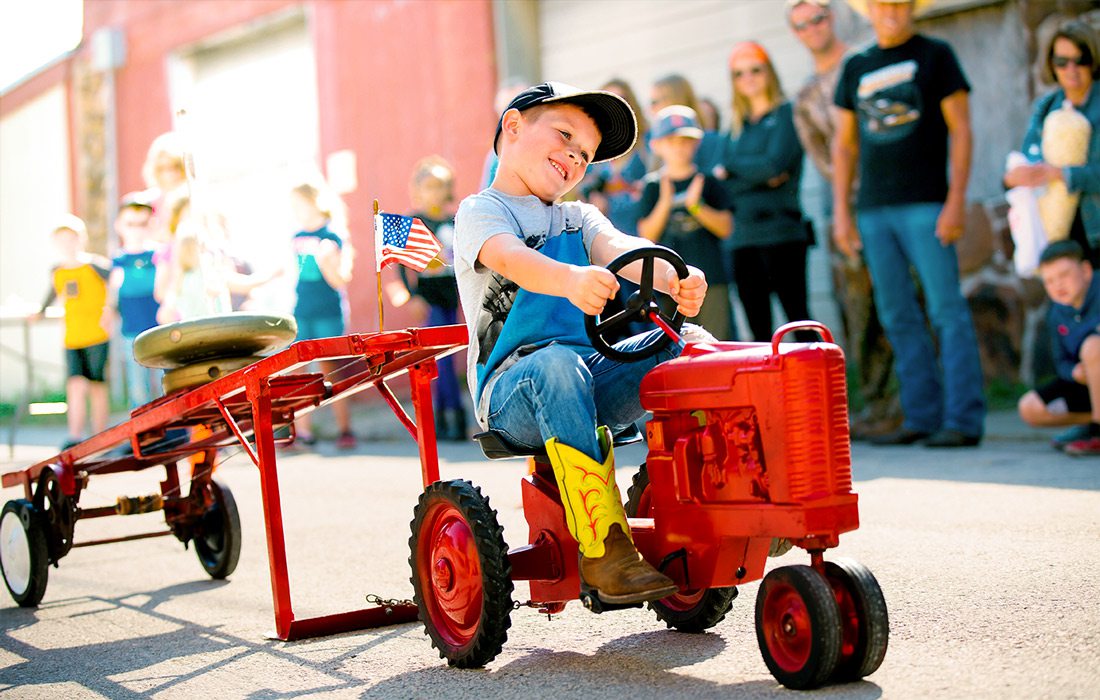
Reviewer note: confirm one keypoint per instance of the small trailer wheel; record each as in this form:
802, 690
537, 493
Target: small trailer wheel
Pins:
685, 611
798, 626
461, 577
864, 621
217, 535
24, 557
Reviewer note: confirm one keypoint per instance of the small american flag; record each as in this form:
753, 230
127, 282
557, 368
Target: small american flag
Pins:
405, 240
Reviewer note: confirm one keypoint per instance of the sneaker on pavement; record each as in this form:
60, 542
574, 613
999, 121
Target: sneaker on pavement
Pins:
948, 438
346, 441
903, 436
1077, 432
1089, 447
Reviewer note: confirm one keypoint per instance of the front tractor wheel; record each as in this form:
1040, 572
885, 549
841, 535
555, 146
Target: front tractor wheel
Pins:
865, 624
798, 626
686, 611
461, 577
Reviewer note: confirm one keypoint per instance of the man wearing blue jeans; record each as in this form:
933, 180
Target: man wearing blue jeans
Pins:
903, 116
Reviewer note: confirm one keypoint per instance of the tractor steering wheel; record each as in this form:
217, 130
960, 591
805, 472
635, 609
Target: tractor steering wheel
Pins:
638, 307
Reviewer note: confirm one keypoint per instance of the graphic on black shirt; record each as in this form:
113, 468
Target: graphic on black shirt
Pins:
889, 102
500, 294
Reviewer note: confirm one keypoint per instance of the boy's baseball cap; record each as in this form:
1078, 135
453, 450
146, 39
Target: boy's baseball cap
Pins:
676, 120
613, 116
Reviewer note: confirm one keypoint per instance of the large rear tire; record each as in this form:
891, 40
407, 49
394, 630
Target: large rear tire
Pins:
461, 577
686, 611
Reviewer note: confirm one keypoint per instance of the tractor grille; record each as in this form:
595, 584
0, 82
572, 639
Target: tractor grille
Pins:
818, 449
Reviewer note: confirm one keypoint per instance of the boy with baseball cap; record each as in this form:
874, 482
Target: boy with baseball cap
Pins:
688, 211
528, 269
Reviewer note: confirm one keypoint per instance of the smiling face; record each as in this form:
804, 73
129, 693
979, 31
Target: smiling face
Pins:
891, 21
545, 150
1072, 69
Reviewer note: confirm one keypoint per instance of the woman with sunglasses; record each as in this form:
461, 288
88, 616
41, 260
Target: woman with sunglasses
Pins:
762, 166
1071, 62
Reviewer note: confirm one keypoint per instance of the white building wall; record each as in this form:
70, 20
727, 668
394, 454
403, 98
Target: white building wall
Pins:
34, 191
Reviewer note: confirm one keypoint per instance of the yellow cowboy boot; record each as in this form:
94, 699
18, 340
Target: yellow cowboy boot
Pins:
594, 514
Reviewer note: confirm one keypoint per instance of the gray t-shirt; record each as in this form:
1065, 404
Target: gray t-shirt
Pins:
505, 321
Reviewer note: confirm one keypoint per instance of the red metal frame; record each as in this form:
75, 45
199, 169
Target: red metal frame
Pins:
256, 401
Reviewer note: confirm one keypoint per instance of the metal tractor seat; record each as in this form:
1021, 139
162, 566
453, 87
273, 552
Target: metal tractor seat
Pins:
496, 446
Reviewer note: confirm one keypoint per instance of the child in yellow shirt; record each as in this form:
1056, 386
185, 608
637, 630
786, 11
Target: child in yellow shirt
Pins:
79, 282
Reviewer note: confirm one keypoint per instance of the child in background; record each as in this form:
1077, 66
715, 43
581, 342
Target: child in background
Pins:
132, 281
79, 281
432, 191
324, 270
1073, 397
615, 187
675, 89
687, 211
191, 282
165, 176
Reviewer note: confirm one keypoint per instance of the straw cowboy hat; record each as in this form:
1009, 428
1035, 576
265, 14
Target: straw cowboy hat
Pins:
919, 6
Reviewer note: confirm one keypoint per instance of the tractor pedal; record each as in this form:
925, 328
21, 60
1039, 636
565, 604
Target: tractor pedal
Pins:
136, 505
591, 600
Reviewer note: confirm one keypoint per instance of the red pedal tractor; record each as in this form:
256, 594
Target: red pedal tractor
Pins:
749, 455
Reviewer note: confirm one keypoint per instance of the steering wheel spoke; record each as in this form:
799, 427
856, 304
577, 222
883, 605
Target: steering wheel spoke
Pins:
641, 304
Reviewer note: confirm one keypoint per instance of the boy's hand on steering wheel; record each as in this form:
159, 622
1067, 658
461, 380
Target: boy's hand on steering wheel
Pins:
688, 292
589, 287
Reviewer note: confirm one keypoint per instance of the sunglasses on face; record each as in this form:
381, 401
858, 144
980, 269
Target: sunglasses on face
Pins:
811, 22
1064, 61
755, 70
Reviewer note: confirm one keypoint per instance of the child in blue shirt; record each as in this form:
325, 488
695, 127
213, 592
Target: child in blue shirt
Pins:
132, 279
1073, 396
528, 270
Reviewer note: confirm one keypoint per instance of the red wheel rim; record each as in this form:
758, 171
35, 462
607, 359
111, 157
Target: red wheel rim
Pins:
684, 600
450, 574
849, 618
788, 631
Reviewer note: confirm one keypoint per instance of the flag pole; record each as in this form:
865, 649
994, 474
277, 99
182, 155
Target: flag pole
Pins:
378, 268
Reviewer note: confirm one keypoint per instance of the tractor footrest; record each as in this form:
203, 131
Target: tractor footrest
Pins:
592, 601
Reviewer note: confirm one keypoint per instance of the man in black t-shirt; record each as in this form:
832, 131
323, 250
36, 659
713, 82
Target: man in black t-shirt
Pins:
904, 113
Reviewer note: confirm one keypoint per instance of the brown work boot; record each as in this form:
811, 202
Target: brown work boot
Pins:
621, 575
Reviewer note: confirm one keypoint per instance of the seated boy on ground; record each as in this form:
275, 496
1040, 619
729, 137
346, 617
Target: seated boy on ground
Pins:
1073, 397
528, 270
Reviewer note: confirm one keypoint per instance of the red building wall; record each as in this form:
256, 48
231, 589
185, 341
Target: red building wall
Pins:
396, 81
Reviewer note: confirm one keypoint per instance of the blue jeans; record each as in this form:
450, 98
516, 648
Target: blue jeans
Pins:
142, 383
947, 394
447, 395
558, 392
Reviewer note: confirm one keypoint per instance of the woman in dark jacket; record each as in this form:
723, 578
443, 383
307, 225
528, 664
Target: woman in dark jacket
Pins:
762, 163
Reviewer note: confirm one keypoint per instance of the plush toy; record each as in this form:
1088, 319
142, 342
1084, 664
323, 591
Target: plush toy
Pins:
1066, 134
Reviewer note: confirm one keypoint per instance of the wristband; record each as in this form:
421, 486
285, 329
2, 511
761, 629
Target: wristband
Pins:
693, 209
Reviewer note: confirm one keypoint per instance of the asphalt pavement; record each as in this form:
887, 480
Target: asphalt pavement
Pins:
988, 559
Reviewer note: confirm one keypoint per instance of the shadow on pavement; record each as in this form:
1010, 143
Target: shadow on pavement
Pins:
114, 669
635, 666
